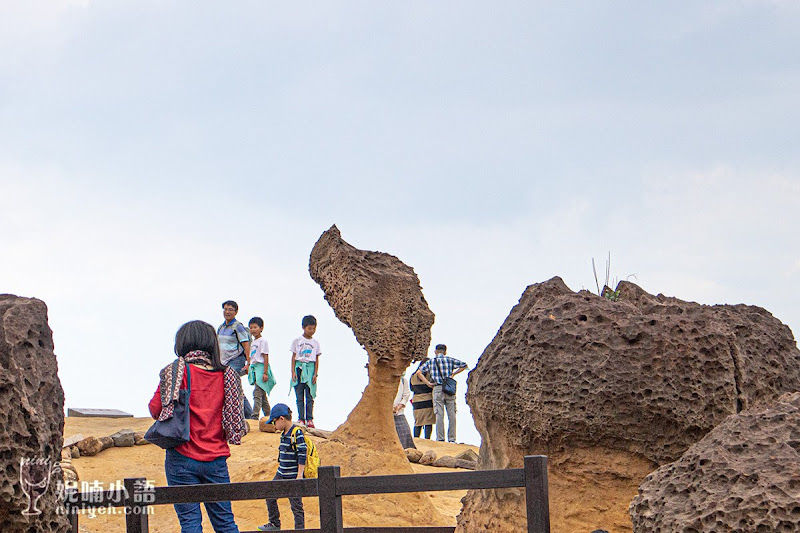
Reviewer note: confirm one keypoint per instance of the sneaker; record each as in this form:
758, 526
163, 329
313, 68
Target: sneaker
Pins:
310, 424
269, 527
301, 422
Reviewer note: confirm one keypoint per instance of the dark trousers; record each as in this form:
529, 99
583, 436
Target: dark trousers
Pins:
237, 363
428, 431
182, 470
297, 510
305, 402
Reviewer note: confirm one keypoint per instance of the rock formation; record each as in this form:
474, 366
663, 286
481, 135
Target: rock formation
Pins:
31, 416
380, 298
743, 476
644, 375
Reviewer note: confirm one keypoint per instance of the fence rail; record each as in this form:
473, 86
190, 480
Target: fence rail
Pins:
329, 488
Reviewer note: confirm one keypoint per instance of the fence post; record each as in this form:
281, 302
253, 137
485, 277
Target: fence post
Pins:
71, 497
135, 511
330, 503
536, 497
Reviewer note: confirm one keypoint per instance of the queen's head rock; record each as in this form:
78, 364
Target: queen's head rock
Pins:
380, 298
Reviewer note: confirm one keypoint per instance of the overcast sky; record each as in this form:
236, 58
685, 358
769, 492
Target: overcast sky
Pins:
157, 158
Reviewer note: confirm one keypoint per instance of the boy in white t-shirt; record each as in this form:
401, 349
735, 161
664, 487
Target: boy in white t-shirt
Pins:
305, 367
260, 373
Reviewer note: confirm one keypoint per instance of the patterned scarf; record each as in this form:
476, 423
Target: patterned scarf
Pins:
233, 421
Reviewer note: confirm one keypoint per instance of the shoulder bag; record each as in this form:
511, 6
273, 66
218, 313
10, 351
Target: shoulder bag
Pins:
449, 386
173, 431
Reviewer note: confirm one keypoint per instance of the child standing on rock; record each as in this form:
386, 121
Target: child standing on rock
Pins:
305, 368
259, 373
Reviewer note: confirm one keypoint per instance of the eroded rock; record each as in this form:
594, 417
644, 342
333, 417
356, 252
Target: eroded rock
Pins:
428, 458
646, 375
90, 446
124, 438
31, 415
743, 476
413, 454
468, 455
106, 443
466, 464
380, 298
446, 461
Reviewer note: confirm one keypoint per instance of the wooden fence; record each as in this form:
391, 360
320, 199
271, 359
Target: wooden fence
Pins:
329, 488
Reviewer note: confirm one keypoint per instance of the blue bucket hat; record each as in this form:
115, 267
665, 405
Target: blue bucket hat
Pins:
279, 409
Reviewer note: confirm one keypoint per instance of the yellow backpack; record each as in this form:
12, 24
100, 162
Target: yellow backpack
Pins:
312, 455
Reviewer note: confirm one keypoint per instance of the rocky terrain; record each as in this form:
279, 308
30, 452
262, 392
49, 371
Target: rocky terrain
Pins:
380, 298
639, 379
743, 476
254, 460
31, 414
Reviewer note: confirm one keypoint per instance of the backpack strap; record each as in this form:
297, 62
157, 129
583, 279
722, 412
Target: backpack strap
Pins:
293, 437
236, 334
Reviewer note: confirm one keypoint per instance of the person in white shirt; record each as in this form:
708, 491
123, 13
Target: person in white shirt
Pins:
305, 369
260, 373
400, 422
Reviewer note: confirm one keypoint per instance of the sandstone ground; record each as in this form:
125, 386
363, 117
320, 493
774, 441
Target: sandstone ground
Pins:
589, 489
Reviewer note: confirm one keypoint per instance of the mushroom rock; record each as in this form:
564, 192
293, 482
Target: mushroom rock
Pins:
743, 476
379, 297
31, 417
608, 389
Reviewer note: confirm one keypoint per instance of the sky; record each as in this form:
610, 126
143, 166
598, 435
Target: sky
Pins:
158, 158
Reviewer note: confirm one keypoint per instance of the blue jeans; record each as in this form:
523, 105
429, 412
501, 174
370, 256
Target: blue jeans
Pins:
182, 470
237, 363
305, 402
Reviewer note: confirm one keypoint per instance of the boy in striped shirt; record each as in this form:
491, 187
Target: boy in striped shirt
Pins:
291, 462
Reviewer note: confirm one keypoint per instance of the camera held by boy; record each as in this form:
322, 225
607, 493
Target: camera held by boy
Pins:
305, 368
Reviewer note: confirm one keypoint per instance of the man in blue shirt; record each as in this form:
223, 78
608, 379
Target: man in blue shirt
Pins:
234, 345
440, 368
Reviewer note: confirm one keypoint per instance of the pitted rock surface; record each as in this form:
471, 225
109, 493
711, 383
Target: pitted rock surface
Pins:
646, 375
743, 476
31, 413
380, 298
377, 295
